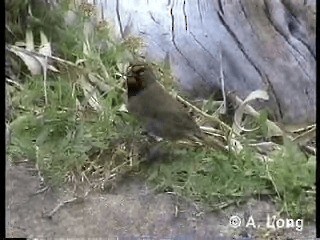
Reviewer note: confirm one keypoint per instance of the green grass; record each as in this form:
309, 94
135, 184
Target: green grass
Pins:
65, 140
220, 180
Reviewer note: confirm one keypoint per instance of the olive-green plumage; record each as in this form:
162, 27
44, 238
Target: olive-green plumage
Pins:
158, 111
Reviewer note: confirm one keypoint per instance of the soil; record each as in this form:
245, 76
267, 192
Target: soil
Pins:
131, 211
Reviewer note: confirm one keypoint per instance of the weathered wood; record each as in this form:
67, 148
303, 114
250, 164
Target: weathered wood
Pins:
266, 44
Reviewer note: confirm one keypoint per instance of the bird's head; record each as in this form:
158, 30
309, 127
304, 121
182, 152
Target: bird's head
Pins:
139, 77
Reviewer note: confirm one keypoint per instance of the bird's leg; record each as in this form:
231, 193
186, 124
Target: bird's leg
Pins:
157, 152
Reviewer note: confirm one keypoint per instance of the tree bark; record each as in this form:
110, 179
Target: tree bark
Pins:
265, 44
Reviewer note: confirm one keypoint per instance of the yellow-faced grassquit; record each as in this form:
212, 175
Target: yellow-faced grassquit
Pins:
160, 114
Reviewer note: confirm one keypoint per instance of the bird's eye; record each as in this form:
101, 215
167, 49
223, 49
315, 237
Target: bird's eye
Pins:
137, 70
141, 73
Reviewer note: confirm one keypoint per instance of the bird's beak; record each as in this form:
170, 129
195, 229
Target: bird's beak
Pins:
131, 80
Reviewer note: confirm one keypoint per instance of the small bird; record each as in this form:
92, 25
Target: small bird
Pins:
161, 114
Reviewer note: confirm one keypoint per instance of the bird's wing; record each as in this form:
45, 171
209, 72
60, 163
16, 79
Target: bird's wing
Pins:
155, 104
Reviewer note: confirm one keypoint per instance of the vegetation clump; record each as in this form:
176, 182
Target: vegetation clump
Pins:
65, 72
